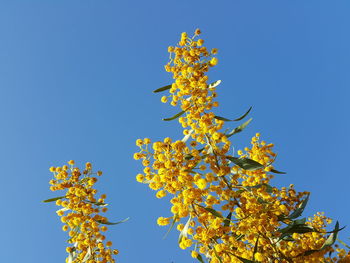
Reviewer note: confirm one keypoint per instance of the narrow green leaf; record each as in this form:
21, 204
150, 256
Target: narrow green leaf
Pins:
200, 258
188, 157
244, 260
244, 115
299, 221
238, 119
238, 238
183, 232
186, 137
245, 163
228, 219
343, 243
255, 248
239, 128
97, 203
332, 237
175, 116
276, 172
268, 188
217, 256
298, 212
87, 255
111, 223
162, 88
53, 199
171, 227
214, 84
221, 118
334, 231
212, 211
308, 253
300, 229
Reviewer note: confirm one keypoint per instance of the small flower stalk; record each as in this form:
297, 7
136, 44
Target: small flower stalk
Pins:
222, 201
81, 212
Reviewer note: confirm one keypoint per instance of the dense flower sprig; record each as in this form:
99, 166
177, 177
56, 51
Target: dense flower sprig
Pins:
233, 213
81, 214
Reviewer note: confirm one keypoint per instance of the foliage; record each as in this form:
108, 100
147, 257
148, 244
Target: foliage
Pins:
80, 214
225, 206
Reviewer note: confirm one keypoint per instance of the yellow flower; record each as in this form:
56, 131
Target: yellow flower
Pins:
214, 61
80, 213
197, 31
201, 183
258, 257
139, 142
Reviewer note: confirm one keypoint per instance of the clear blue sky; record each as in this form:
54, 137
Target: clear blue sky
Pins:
76, 80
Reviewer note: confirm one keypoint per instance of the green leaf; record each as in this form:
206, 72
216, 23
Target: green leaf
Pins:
238, 119
239, 128
97, 203
244, 260
214, 84
188, 157
171, 227
245, 163
200, 258
276, 172
298, 212
332, 237
53, 199
244, 115
175, 116
221, 118
239, 237
228, 219
186, 137
308, 253
268, 188
162, 88
111, 223
255, 247
300, 221
217, 256
87, 255
298, 226
183, 232
300, 229
343, 243
212, 211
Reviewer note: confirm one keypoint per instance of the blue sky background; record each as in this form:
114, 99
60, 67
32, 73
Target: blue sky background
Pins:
76, 81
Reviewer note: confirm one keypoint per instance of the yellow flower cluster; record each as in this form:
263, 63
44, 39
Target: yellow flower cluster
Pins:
80, 214
232, 212
189, 62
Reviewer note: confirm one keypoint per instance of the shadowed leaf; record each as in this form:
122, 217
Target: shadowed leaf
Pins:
111, 223
276, 172
214, 84
238, 119
175, 116
332, 237
298, 212
228, 219
183, 232
239, 128
53, 199
244, 260
170, 228
200, 258
162, 88
245, 163
212, 211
